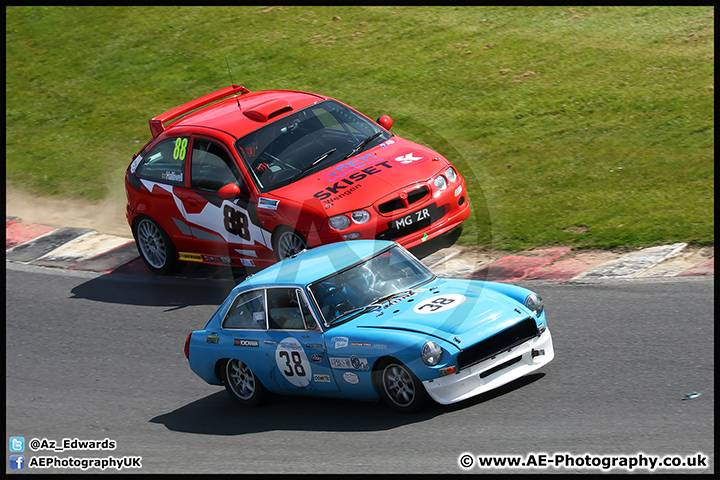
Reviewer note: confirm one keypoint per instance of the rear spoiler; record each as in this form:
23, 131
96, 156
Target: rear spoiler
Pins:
156, 124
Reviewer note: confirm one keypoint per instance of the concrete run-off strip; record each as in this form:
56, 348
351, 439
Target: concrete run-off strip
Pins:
633, 264
88, 250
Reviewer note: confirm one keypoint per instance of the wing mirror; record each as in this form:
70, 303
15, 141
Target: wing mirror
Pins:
229, 191
385, 121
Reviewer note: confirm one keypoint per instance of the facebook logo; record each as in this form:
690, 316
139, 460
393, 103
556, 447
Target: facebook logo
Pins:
17, 444
17, 462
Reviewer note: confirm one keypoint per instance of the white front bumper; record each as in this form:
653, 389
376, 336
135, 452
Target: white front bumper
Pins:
467, 383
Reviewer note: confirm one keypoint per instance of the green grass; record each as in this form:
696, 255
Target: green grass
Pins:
591, 127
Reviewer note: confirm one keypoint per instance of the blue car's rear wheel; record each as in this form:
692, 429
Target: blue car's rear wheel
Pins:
242, 384
400, 388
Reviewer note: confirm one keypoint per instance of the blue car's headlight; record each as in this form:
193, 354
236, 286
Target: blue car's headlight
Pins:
534, 303
431, 353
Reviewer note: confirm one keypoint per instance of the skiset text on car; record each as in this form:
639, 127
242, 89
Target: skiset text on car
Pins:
248, 178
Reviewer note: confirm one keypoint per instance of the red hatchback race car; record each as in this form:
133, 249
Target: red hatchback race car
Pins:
246, 179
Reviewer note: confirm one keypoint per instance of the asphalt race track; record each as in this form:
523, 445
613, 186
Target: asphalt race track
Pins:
93, 357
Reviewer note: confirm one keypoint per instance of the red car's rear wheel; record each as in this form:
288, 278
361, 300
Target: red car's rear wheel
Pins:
155, 247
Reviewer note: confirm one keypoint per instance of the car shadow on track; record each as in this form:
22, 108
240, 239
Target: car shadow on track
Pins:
218, 414
165, 292
194, 284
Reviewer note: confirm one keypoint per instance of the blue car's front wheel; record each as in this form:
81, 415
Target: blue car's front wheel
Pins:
400, 388
242, 384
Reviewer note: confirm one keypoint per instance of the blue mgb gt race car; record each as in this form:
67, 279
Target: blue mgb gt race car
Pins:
366, 320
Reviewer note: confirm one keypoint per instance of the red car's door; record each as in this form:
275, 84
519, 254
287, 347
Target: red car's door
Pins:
221, 227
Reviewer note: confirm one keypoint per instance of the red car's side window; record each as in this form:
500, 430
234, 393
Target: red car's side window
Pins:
212, 167
165, 162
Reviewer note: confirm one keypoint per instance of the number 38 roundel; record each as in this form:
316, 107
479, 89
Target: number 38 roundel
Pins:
293, 363
439, 303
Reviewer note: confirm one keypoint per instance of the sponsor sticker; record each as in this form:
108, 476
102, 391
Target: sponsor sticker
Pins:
246, 262
135, 163
352, 363
212, 338
317, 358
409, 159
351, 378
268, 203
357, 364
244, 342
340, 342
321, 378
172, 176
344, 175
190, 257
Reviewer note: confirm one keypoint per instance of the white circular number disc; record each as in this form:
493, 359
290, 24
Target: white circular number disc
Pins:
439, 303
292, 362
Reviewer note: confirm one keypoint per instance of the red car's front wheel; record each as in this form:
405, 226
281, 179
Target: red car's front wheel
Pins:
288, 242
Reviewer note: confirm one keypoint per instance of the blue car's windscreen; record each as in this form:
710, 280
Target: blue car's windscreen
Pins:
367, 283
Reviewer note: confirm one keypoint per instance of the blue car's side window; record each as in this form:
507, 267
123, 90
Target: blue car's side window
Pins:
247, 311
289, 310
310, 322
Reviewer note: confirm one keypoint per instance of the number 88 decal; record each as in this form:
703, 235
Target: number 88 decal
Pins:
439, 303
236, 222
293, 363
180, 149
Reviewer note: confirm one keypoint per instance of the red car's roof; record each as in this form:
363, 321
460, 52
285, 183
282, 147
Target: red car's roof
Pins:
255, 110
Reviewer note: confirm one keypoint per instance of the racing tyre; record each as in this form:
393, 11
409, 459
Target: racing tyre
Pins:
155, 247
288, 242
242, 384
400, 388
